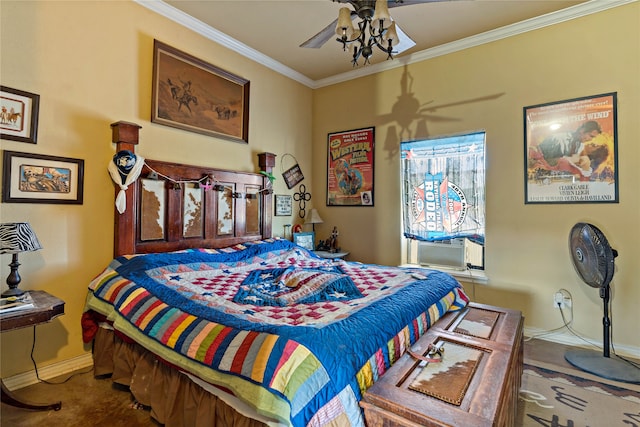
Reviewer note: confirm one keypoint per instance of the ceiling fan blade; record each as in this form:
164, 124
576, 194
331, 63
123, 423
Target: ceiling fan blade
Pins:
322, 37
405, 42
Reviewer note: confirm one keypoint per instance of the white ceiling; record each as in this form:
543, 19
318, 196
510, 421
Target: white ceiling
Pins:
271, 31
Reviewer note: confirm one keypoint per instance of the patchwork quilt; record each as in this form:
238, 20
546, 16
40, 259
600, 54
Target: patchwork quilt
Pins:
304, 336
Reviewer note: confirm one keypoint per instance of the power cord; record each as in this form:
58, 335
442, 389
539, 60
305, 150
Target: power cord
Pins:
473, 282
578, 335
35, 366
565, 324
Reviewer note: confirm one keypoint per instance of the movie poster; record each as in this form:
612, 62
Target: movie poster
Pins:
350, 168
571, 151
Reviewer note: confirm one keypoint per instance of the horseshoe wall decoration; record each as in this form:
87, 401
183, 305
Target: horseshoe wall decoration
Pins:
302, 197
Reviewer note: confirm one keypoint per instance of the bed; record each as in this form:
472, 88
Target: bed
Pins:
208, 320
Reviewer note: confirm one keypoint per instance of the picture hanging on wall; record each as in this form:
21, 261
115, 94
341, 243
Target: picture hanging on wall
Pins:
283, 205
571, 151
350, 167
37, 178
192, 95
293, 175
18, 115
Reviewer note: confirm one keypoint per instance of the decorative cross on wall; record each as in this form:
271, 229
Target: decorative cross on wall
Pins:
302, 197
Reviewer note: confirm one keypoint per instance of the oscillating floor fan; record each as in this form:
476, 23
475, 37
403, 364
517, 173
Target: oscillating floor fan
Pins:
593, 259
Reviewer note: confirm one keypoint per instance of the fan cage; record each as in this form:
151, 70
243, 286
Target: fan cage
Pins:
592, 255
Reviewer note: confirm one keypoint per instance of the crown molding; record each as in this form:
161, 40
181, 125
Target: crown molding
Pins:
573, 12
205, 30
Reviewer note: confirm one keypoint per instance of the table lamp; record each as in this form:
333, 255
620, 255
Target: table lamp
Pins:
313, 218
16, 237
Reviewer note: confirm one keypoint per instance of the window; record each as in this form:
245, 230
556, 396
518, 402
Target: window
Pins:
443, 200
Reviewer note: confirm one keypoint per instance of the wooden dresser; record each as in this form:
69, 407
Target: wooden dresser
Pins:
476, 382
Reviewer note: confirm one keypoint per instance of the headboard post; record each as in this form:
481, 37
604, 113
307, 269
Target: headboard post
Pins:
125, 136
125, 133
266, 161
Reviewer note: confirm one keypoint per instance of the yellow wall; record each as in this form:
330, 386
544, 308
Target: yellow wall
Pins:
486, 87
91, 63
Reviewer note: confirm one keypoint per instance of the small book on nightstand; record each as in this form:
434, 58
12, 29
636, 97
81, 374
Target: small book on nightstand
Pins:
11, 304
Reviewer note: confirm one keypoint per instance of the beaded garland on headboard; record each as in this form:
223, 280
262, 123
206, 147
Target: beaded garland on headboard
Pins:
173, 206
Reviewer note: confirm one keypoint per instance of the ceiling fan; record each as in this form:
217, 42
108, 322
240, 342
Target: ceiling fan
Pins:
366, 11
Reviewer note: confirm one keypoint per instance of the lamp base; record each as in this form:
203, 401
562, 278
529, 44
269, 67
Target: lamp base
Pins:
13, 292
14, 279
605, 367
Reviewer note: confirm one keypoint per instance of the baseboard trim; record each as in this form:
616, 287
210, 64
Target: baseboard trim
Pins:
47, 372
562, 337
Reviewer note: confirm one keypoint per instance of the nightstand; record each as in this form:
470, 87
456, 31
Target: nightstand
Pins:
47, 307
331, 255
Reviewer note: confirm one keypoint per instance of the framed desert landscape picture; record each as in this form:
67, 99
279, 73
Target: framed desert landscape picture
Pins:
191, 94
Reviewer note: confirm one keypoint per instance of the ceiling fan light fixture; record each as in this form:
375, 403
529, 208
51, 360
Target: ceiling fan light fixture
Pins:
371, 30
392, 35
344, 27
381, 11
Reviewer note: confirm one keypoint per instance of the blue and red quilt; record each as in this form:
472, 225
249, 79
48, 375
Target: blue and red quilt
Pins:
314, 333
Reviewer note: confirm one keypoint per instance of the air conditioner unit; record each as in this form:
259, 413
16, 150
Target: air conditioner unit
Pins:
458, 254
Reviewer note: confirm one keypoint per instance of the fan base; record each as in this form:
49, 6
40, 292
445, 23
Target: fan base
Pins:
605, 367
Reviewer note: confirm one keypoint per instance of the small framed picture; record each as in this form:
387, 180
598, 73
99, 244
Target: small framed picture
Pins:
18, 115
37, 178
283, 205
306, 240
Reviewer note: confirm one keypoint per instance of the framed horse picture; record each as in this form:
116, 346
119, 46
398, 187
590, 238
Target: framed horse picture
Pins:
18, 115
191, 94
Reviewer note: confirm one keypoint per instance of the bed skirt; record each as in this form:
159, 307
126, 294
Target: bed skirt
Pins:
174, 399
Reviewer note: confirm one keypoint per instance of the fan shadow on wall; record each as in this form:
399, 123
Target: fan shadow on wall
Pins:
409, 117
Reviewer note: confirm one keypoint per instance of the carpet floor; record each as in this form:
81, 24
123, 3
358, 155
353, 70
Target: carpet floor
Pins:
87, 401
552, 396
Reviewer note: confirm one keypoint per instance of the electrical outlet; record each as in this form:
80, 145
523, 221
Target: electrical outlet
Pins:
558, 300
561, 300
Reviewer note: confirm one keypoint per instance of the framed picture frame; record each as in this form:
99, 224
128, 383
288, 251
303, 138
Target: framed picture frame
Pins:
283, 205
191, 94
570, 151
37, 178
19, 115
350, 167
305, 239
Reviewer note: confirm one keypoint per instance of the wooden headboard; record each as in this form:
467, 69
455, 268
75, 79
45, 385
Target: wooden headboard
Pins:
174, 206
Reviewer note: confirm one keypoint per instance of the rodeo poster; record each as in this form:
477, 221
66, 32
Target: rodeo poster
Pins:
443, 191
350, 168
571, 151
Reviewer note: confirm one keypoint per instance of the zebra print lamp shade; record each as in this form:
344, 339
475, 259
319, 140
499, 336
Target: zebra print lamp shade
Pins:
16, 237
